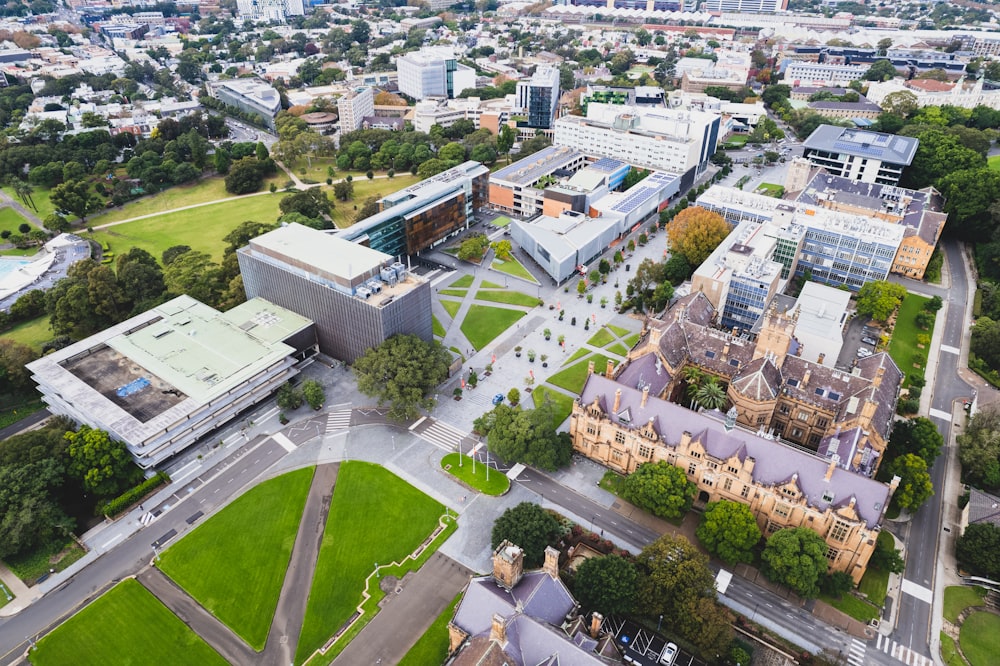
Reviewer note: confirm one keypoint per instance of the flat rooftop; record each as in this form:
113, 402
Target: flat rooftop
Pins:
316, 251
873, 145
536, 165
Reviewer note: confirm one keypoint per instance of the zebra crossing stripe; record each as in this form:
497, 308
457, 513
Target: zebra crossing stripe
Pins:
338, 420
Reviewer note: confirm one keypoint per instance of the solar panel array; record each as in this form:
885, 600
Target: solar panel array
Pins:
857, 148
641, 192
607, 164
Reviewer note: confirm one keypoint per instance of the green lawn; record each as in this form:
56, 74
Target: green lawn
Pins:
959, 597
578, 354
33, 332
432, 647
573, 377
126, 625
10, 220
486, 284
903, 346
344, 212
602, 338
949, 652
613, 482
619, 349
40, 195
206, 189
436, 327
857, 608
460, 293
980, 638
5, 595
234, 564
631, 340
497, 484
874, 584
374, 517
994, 162
737, 140
562, 404
463, 282
618, 330
508, 297
451, 307
770, 190
503, 220
483, 323
513, 267
201, 228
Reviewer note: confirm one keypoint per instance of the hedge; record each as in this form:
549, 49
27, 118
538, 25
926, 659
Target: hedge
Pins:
133, 495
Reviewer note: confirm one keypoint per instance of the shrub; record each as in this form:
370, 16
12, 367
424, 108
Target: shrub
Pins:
133, 495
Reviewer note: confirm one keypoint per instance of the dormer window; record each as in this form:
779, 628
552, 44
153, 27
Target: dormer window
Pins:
828, 496
709, 354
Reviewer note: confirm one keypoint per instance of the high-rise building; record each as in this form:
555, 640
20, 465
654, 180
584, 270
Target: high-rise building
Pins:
539, 97
433, 71
269, 10
354, 107
357, 296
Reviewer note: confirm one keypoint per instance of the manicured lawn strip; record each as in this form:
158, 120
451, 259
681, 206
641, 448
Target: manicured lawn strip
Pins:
10, 220
578, 354
949, 652
769, 189
486, 284
7, 596
20, 251
874, 584
497, 484
573, 377
201, 228
34, 332
513, 267
508, 297
959, 597
483, 323
451, 307
602, 338
374, 517
562, 404
857, 608
40, 195
234, 564
503, 220
436, 327
344, 212
618, 330
460, 293
206, 189
463, 282
432, 647
619, 349
631, 340
613, 482
980, 638
903, 347
126, 625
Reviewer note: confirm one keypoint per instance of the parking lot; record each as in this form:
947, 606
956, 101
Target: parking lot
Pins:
860, 340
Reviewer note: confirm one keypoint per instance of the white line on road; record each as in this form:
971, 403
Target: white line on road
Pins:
937, 413
951, 350
418, 422
182, 474
285, 443
918, 591
111, 541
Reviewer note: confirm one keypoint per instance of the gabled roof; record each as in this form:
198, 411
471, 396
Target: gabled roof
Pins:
760, 380
646, 370
983, 508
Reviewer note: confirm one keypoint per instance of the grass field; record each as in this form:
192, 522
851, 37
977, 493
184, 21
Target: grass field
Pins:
483, 323
374, 517
513, 267
40, 195
602, 338
451, 307
458, 293
562, 404
463, 282
994, 162
201, 228
857, 608
618, 330
486, 284
949, 652
770, 190
980, 638
33, 332
959, 597
619, 349
508, 297
578, 354
126, 625
432, 647
573, 377
33, 566
234, 564
501, 221
10, 220
874, 584
344, 212
736, 140
631, 340
436, 327
206, 189
497, 484
903, 347
7, 596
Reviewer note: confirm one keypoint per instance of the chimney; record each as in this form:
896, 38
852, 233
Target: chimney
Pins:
748, 465
685, 440
618, 398
805, 377
645, 395
820, 359
551, 565
610, 370
595, 624
725, 350
878, 377
590, 368
498, 629
829, 470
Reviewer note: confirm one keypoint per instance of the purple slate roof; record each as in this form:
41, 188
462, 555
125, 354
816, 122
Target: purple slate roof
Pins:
760, 380
646, 370
776, 463
886, 394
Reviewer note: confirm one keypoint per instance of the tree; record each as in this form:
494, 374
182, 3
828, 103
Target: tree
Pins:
677, 269
918, 436
29, 518
452, 152
695, 232
606, 584
313, 393
505, 140
529, 436
368, 208
13, 357
432, 167
979, 448
660, 488
75, 198
938, 154
195, 274
879, 299
881, 70
502, 249
140, 279
971, 193
978, 550
710, 394
796, 558
915, 485
312, 203
473, 247
246, 175
729, 531
343, 190
985, 342
288, 397
173, 252
104, 465
402, 372
676, 577
529, 527
901, 103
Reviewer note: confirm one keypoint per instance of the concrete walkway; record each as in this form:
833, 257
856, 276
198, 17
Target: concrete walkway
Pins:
23, 594
30, 216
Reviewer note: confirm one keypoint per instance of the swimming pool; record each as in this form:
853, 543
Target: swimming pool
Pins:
10, 264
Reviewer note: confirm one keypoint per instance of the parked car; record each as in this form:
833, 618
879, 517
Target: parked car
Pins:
869, 341
864, 352
669, 654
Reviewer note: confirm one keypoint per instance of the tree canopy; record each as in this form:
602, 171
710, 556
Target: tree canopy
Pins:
796, 558
660, 488
915, 485
978, 550
528, 526
918, 436
606, 584
879, 299
979, 449
403, 372
104, 464
729, 531
528, 436
695, 232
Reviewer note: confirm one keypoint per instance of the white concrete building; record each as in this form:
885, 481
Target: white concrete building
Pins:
802, 73
269, 10
937, 93
871, 157
354, 107
433, 72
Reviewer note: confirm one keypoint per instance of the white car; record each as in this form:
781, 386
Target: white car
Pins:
669, 654
864, 352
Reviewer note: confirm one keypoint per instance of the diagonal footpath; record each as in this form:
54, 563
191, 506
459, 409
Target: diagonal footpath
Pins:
220, 637
283, 638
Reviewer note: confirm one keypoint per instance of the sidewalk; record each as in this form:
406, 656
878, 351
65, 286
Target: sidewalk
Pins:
23, 595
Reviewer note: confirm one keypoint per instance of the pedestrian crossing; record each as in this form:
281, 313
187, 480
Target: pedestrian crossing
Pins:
441, 435
338, 419
147, 518
856, 652
901, 652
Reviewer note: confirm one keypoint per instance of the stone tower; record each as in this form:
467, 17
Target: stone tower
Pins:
508, 564
776, 335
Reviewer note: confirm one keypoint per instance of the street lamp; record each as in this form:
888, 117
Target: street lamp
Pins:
658, 623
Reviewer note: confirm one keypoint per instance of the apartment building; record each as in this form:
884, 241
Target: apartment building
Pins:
276, 11
354, 107
539, 97
871, 157
433, 71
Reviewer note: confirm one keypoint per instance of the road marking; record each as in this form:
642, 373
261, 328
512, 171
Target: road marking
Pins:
440, 434
937, 413
285, 443
339, 419
111, 541
951, 350
182, 473
418, 422
147, 518
514, 471
918, 591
